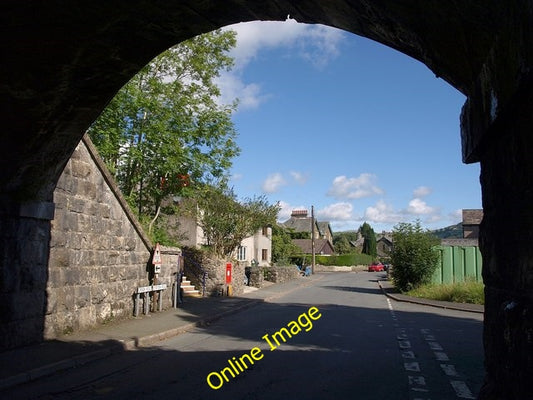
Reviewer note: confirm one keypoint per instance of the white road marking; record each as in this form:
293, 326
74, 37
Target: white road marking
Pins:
441, 356
449, 369
462, 390
404, 344
401, 336
417, 380
408, 354
435, 346
412, 366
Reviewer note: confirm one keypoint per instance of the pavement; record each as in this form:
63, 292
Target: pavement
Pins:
29, 363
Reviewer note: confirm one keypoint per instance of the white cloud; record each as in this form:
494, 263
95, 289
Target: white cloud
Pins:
236, 177
318, 44
336, 212
232, 87
385, 213
420, 207
286, 210
382, 212
299, 177
354, 188
273, 183
456, 216
421, 191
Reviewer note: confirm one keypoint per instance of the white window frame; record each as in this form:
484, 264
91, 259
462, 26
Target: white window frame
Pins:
241, 253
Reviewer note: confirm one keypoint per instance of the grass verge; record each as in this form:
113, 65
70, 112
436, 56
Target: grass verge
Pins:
466, 292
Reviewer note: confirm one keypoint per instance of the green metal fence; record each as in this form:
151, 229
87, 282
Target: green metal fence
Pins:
458, 264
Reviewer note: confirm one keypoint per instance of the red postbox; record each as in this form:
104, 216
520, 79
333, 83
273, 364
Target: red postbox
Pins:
228, 273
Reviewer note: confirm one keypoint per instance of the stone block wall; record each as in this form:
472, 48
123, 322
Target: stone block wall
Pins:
281, 274
257, 277
98, 253
197, 262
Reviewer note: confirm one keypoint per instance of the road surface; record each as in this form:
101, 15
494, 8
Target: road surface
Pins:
339, 338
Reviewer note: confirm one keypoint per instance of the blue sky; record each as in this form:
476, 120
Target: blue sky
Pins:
356, 129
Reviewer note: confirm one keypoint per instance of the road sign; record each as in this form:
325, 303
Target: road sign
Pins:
156, 259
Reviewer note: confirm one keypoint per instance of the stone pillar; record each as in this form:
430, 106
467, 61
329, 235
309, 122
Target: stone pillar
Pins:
24, 248
506, 242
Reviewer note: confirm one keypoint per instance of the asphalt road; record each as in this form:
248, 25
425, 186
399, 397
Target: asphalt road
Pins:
346, 341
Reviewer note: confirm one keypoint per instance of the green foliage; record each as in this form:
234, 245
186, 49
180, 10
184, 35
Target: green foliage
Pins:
159, 233
414, 256
165, 129
369, 244
344, 259
298, 235
282, 247
225, 221
341, 242
463, 292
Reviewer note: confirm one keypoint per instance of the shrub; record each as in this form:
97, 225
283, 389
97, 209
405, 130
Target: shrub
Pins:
414, 257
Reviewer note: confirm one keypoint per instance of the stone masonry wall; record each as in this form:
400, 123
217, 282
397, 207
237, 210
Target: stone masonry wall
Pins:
197, 262
281, 274
98, 253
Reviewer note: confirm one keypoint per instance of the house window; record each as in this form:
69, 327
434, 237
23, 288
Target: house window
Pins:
264, 254
265, 231
241, 253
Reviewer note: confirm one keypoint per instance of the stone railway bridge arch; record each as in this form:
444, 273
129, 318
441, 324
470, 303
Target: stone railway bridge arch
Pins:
63, 61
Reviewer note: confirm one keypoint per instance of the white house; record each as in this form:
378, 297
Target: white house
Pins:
257, 247
253, 248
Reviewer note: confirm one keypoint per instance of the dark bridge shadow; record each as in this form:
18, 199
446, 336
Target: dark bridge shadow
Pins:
350, 352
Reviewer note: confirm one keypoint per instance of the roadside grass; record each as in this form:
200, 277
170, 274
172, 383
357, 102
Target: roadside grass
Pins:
465, 292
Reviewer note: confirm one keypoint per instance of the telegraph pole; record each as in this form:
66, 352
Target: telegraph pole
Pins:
312, 239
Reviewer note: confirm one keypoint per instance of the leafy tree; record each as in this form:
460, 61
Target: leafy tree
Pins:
165, 130
283, 249
226, 221
341, 241
414, 257
342, 245
369, 243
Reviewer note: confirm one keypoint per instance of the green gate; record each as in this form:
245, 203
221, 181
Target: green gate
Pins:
458, 264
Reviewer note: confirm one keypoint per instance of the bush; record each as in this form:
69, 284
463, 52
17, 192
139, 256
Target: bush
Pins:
414, 257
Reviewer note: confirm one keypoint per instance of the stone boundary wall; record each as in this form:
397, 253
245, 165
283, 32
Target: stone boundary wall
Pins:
257, 277
196, 262
169, 270
99, 254
281, 274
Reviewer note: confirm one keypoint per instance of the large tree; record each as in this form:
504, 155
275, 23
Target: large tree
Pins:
165, 128
225, 220
369, 243
341, 241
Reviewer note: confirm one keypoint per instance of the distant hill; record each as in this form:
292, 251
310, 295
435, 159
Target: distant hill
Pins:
450, 232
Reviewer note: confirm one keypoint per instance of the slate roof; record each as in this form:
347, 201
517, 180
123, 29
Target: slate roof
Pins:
472, 217
322, 246
459, 242
299, 224
323, 227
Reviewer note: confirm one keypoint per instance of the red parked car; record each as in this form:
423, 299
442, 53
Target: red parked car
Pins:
376, 267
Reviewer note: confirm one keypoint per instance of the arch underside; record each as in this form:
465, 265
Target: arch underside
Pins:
62, 66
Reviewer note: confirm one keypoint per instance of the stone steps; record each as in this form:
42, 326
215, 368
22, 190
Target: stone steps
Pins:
189, 290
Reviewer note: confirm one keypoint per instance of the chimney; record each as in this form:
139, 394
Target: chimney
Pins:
299, 213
